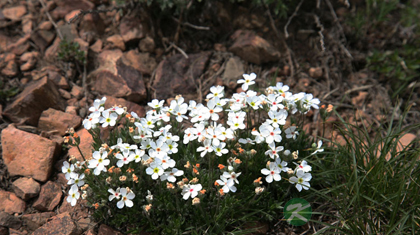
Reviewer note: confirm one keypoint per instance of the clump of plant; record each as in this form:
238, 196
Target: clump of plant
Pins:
69, 51
400, 66
192, 167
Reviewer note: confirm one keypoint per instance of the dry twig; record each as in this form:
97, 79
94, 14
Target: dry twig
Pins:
50, 18
290, 19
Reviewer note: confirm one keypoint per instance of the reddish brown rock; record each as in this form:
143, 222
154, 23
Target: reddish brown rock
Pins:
76, 91
177, 75
66, 6
61, 224
252, 48
131, 28
97, 46
27, 24
35, 98
10, 203
91, 27
72, 110
34, 221
115, 41
26, 188
49, 197
147, 44
106, 230
5, 231
46, 25
58, 79
316, 72
405, 140
20, 46
140, 61
359, 100
131, 107
14, 13
71, 15
30, 59
42, 38
27, 154
116, 77
233, 71
58, 121
51, 52
85, 146
9, 221
11, 69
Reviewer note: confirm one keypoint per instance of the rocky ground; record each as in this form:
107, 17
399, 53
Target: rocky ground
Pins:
131, 59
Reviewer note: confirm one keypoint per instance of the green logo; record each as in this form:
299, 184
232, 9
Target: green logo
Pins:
297, 211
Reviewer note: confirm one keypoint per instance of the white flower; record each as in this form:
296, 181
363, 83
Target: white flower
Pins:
215, 134
125, 198
272, 173
98, 106
318, 148
301, 181
213, 109
125, 158
108, 119
99, 162
246, 141
179, 112
172, 145
77, 180
149, 196
189, 135
156, 104
254, 102
73, 195
228, 184
216, 91
68, 169
138, 154
220, 149
282, 165
270, 134
91, 121
247, 81
273, 150
191, 190
291, 132
277, 118
206, 149
304, 167
114, 194
170, 175
232, 175
155, 170
280, 88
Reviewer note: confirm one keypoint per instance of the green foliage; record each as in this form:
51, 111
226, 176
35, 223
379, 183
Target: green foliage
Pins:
371, 182
399, 66
7, 92
70, 52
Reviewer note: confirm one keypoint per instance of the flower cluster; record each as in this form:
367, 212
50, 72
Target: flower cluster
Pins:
156, 144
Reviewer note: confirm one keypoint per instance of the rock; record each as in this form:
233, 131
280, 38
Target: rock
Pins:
140, 61
131, 107
131, 28
55, 76
51, 52
34, 221
77, 91
28, 154
46, 25
49, 197
42, 38
233, 71
117, 77
5, 40
252, 48
405, 140
72, 110
58, 121
91, 27
359, 100
106, 230
85, 146
69, 31
26, 188
83, 46
71, 15
66, 6
316, 72
219, 47
9, 221
27, 25
4, 230
30, 58
20, 46
115, 41
11, 69
61, 224
35, 98
97, 46
14, 13
177, 75
17, 232
10, 203
147, 44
